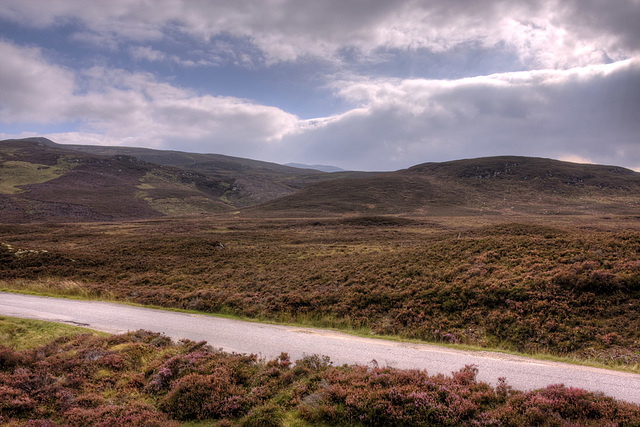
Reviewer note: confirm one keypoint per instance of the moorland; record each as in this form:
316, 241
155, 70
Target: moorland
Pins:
145, 379
46, 182
530, 287
521, 254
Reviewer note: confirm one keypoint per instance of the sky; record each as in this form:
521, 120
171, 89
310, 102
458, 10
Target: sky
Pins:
358, 84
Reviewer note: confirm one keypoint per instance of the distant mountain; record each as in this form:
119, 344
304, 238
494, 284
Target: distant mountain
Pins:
322, 168
44, 181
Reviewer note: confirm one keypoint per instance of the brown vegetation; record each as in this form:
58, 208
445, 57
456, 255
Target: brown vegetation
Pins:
143, 379
491, 185
44, 181
524, 254
558, 289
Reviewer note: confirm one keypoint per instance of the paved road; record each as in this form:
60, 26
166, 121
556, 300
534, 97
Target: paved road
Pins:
269, 341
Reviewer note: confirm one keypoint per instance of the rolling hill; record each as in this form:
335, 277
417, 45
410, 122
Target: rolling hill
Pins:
44, 181
492, 185
252, 181
40, 182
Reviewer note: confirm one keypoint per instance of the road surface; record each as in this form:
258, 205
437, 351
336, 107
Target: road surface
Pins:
269, 341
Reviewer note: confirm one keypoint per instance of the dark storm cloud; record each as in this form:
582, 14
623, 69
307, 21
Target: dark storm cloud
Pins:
615, 19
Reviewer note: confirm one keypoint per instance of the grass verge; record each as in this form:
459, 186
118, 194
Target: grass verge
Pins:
21, 334
58, 288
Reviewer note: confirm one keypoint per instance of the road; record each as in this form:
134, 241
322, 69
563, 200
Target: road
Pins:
269, 341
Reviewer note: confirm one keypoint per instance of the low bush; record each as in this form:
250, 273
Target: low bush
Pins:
556, 289
189, 381
197, 396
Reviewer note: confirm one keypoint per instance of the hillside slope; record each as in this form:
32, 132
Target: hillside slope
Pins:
40, 182
491, 185
250, 181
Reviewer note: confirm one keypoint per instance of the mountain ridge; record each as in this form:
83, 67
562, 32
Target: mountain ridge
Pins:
489, 185
44, 181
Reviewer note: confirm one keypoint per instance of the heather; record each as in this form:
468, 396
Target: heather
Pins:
565, 286
145, 379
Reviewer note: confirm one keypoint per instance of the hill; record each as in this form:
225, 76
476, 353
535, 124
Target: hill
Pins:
492, 185
43, 182
251, 181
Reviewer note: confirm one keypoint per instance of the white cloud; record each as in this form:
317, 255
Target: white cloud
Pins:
588, 112
116, 106
145, 112
543, 33
147, 53
30, 88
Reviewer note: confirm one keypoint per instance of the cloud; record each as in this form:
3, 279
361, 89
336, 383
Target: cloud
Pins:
542, 33
192, 123
588, 112
144, 112
30, 88
112, 106
147, 53
612, 23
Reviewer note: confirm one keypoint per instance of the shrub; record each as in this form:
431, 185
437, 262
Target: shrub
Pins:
269, 415
197, 396
393, 397
14, 402
200, 384
138, 415
8, 358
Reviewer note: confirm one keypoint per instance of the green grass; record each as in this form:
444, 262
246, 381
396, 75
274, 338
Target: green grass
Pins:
16, 174
20, 334
48, 287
